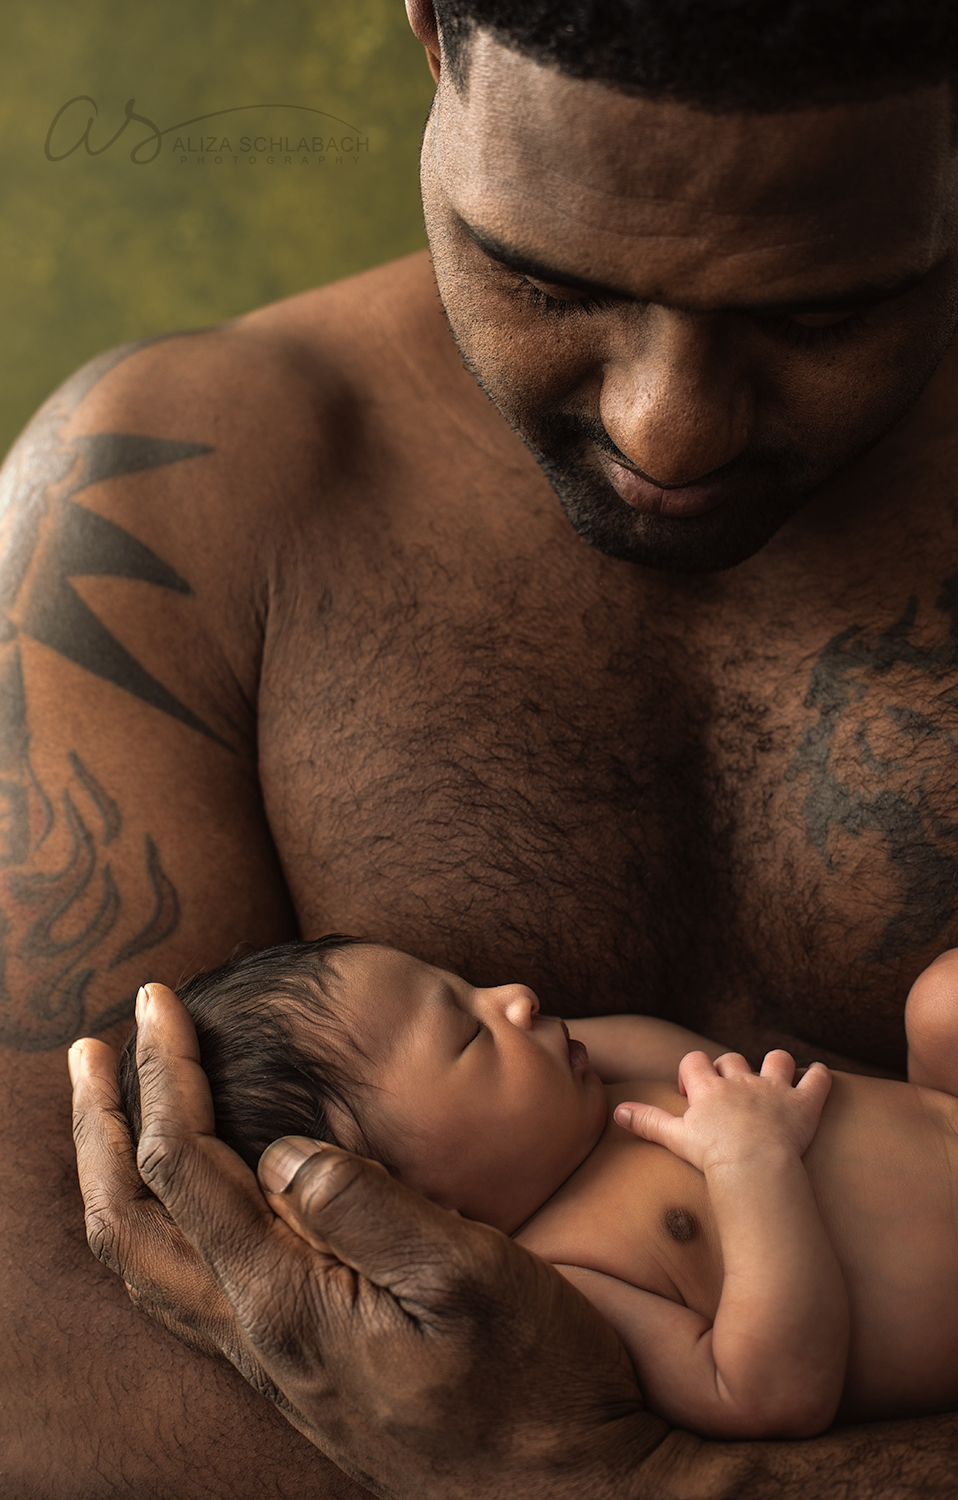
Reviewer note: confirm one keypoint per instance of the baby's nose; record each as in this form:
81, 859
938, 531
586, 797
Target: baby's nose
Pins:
520, 1004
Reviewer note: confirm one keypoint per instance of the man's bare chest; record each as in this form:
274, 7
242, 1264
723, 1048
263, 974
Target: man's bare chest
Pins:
675, 804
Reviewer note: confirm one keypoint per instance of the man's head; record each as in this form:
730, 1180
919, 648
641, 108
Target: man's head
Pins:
468, 1095
699, 276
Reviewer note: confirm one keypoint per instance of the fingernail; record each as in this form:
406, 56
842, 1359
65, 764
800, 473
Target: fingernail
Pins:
74, 1061
623, 1116
281, 1161
142, 1004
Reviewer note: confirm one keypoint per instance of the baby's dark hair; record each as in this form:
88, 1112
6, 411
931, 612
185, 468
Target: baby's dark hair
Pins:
254, 1017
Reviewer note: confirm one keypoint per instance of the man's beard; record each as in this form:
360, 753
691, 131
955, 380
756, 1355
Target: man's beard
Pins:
767, 488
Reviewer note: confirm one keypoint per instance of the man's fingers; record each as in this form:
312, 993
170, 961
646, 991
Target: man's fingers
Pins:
180, 1157
350, 1208
106, 1160
128, 1230
206, 1188
174, 1092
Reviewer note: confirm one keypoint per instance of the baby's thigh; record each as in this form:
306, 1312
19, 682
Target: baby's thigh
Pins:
931, 1025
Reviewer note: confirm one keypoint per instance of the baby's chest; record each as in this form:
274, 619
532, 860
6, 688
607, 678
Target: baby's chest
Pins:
636, 1212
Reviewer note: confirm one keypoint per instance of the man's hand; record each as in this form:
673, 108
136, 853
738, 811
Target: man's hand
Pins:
427, 1355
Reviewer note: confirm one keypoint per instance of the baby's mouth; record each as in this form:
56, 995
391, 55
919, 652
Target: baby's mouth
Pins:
578, 1056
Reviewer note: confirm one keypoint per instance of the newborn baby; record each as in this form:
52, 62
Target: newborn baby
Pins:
772, 1255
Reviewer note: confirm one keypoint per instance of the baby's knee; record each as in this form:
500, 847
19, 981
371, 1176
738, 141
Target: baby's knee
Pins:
931, 1024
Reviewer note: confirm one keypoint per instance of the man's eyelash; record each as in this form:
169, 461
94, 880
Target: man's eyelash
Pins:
797, 334
803, 337
559, 307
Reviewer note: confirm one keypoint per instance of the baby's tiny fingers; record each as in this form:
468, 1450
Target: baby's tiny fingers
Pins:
647, 1121
730, 1063
779, 1064
695, 1068
816, 1082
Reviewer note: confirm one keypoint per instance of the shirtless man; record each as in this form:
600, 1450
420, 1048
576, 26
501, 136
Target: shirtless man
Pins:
299, 635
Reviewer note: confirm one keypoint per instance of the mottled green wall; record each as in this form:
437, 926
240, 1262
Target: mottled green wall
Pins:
96, 249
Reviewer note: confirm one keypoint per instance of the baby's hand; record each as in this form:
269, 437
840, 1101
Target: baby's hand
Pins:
734, 1114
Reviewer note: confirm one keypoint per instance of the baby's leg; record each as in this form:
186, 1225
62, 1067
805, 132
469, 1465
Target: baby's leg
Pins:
931, 1025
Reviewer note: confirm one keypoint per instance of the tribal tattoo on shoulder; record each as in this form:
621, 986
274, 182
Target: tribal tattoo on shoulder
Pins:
880, 766
64, 920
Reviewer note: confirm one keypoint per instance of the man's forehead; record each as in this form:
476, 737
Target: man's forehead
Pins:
547, 162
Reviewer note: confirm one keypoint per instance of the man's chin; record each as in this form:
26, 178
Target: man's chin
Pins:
709, 543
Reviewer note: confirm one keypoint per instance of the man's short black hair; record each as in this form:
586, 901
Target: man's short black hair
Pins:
762, 55
272, 1048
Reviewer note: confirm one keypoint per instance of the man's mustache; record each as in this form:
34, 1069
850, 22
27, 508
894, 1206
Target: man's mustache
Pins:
563, 435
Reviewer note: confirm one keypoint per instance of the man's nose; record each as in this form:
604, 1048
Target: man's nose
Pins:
680, 404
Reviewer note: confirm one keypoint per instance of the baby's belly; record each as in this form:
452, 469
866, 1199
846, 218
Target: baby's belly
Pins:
884, 1166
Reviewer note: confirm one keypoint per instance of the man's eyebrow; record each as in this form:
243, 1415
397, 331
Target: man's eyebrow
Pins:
866, 293
528, 265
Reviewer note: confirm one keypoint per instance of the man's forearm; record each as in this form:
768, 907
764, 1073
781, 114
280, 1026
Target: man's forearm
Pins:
908, 1460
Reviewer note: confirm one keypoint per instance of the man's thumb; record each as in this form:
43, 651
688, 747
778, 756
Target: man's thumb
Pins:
351, 1208
281, 1161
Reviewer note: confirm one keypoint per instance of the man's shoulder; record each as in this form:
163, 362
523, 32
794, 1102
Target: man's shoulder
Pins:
318, 342
260, 401
279, 358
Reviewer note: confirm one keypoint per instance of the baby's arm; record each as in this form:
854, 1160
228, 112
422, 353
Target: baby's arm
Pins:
625, 1047
773, 1362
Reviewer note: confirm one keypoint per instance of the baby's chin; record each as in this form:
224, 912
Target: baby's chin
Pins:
514, 1211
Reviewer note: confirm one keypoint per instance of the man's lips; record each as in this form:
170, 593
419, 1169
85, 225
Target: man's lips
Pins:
641, 494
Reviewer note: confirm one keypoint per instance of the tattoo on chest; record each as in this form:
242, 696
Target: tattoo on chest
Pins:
880, 767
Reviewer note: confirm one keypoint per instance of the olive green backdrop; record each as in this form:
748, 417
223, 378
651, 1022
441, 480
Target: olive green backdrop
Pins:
96, 249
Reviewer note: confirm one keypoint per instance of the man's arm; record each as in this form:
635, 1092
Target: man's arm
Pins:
133, 845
